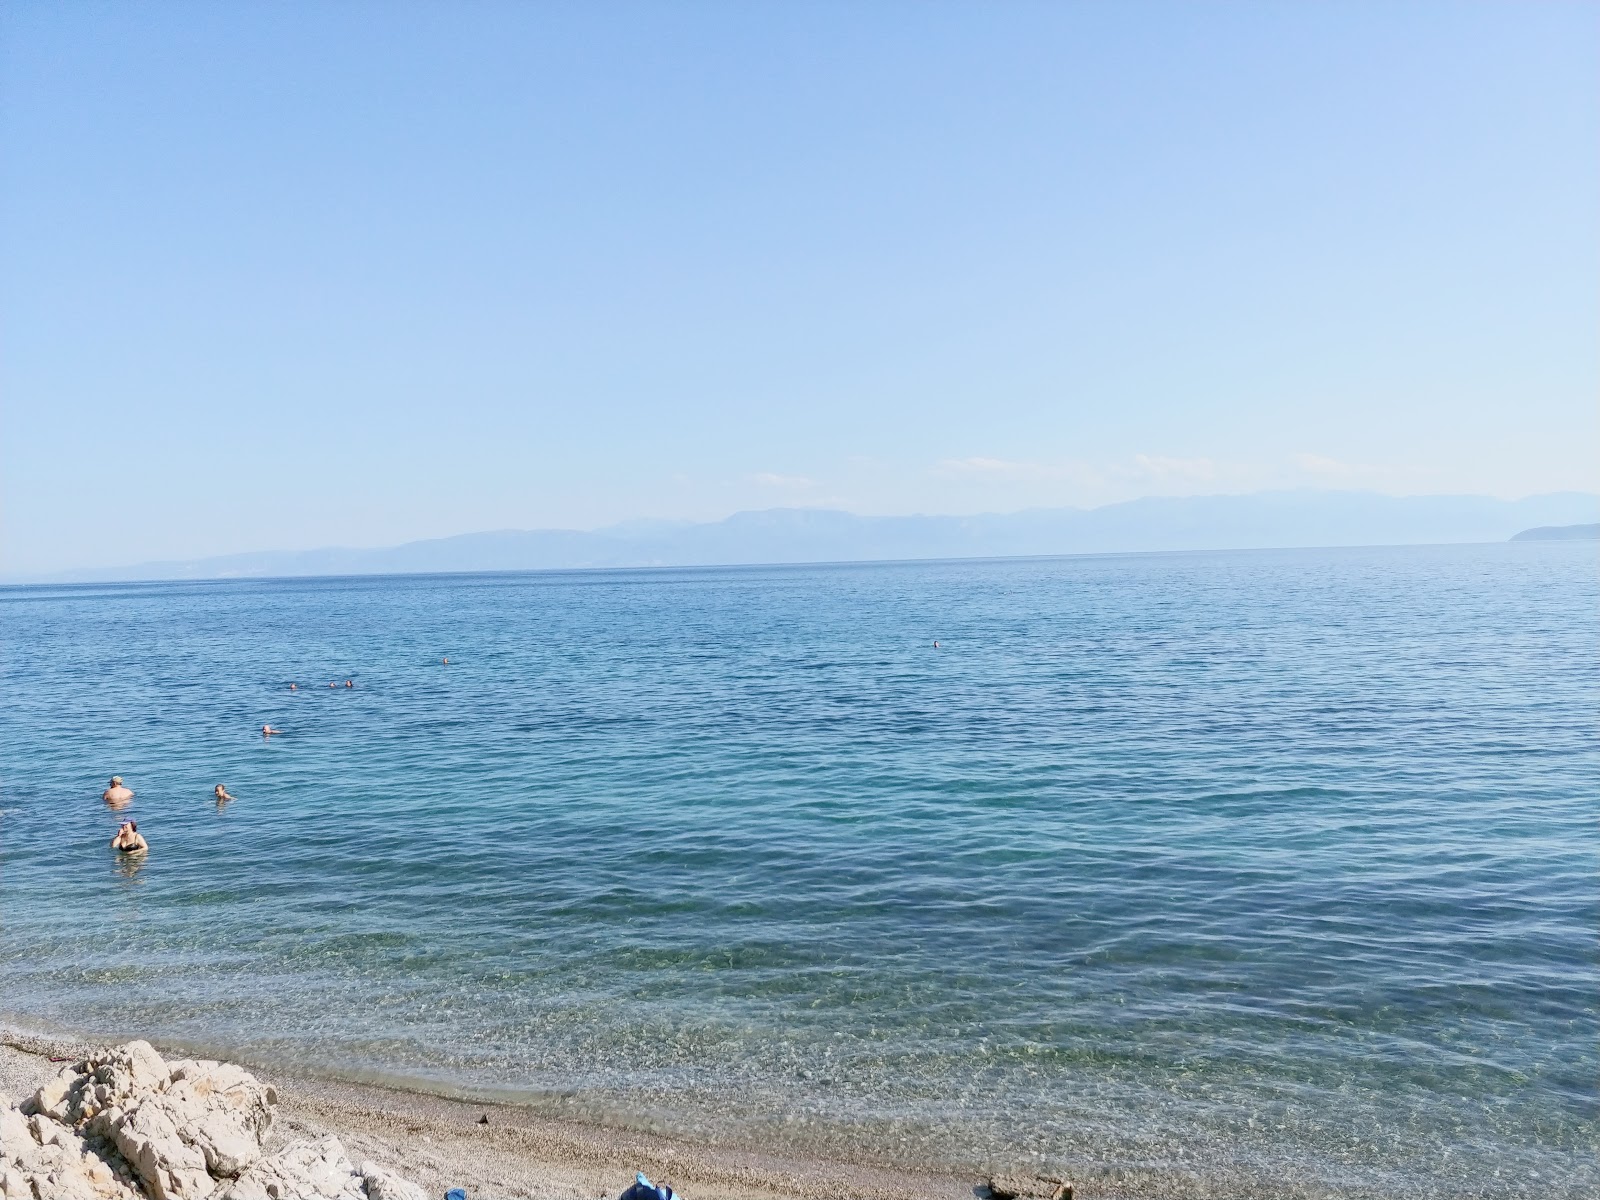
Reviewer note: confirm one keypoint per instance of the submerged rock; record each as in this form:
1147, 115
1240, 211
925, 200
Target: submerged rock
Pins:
127, 1125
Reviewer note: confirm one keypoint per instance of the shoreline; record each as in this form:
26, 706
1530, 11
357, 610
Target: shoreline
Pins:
441, 1142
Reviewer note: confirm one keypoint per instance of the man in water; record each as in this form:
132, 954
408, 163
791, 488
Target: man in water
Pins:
221, 793
349, 683
268, 731
115, 795
129, 840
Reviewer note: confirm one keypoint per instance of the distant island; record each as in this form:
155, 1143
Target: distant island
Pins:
1559, 533
1258, 521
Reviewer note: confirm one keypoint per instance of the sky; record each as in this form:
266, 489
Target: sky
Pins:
284, 275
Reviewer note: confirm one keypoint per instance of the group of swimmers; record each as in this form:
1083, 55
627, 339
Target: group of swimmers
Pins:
117, 796
269, 731
128, 839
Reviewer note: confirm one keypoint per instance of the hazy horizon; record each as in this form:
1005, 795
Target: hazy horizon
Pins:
1301, 518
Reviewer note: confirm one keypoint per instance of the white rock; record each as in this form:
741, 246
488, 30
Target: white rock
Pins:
170, 1167
14, 1131
302, 1171
125, 1123
385, 1185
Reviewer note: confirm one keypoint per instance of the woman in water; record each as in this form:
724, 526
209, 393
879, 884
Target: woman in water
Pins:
129, 840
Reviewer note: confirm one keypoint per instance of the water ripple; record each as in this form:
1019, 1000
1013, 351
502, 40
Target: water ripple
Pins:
1280, 861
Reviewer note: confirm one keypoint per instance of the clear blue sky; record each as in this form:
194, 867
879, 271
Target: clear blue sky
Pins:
284, 275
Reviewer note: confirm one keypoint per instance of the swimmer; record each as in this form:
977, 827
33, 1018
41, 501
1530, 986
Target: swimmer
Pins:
294, 687
332, 684
129, 840
268, 731
115, 794
936, 645
221, 793
445, 661
349, 683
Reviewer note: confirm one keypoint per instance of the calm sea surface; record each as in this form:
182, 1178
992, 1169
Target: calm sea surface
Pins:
1279, 862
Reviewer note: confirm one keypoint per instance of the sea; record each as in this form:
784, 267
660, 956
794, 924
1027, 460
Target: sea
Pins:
1268, 865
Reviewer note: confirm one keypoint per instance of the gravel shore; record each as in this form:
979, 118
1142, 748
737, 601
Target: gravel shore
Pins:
441, 1143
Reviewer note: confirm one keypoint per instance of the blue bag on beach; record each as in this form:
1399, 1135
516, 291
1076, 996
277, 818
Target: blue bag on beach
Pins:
643, 1189
456, 1194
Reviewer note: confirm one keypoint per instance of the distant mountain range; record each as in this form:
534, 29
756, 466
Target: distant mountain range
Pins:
793, 535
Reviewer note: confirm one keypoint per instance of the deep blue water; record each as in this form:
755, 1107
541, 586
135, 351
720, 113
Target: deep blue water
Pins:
1269, 861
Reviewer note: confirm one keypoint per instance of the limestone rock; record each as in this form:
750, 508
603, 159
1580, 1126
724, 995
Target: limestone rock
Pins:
303, 1171
172, 1169
41, 1157
385, 1185
125, 1124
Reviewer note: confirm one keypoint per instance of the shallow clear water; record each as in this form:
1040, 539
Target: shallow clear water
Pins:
1271, 861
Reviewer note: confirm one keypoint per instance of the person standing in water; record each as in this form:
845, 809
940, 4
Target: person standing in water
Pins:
115, 795
129, 840
221, 793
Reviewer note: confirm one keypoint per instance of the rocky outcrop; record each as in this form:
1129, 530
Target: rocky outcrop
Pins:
128, 1125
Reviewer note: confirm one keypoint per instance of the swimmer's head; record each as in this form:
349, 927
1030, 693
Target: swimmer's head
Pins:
220, 788
116, 781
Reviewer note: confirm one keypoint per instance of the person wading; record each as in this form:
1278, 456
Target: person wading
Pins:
129, 840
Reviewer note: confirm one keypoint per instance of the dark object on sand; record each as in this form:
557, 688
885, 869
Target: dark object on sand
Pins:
643, 1189
990, 1190
483, 1120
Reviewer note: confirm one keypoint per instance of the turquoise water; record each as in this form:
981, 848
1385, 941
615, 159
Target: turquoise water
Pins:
1257, 863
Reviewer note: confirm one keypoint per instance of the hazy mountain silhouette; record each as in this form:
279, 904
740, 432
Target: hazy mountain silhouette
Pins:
1559, 533
791, 535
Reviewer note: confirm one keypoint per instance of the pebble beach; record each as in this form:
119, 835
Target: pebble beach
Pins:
501, 1152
